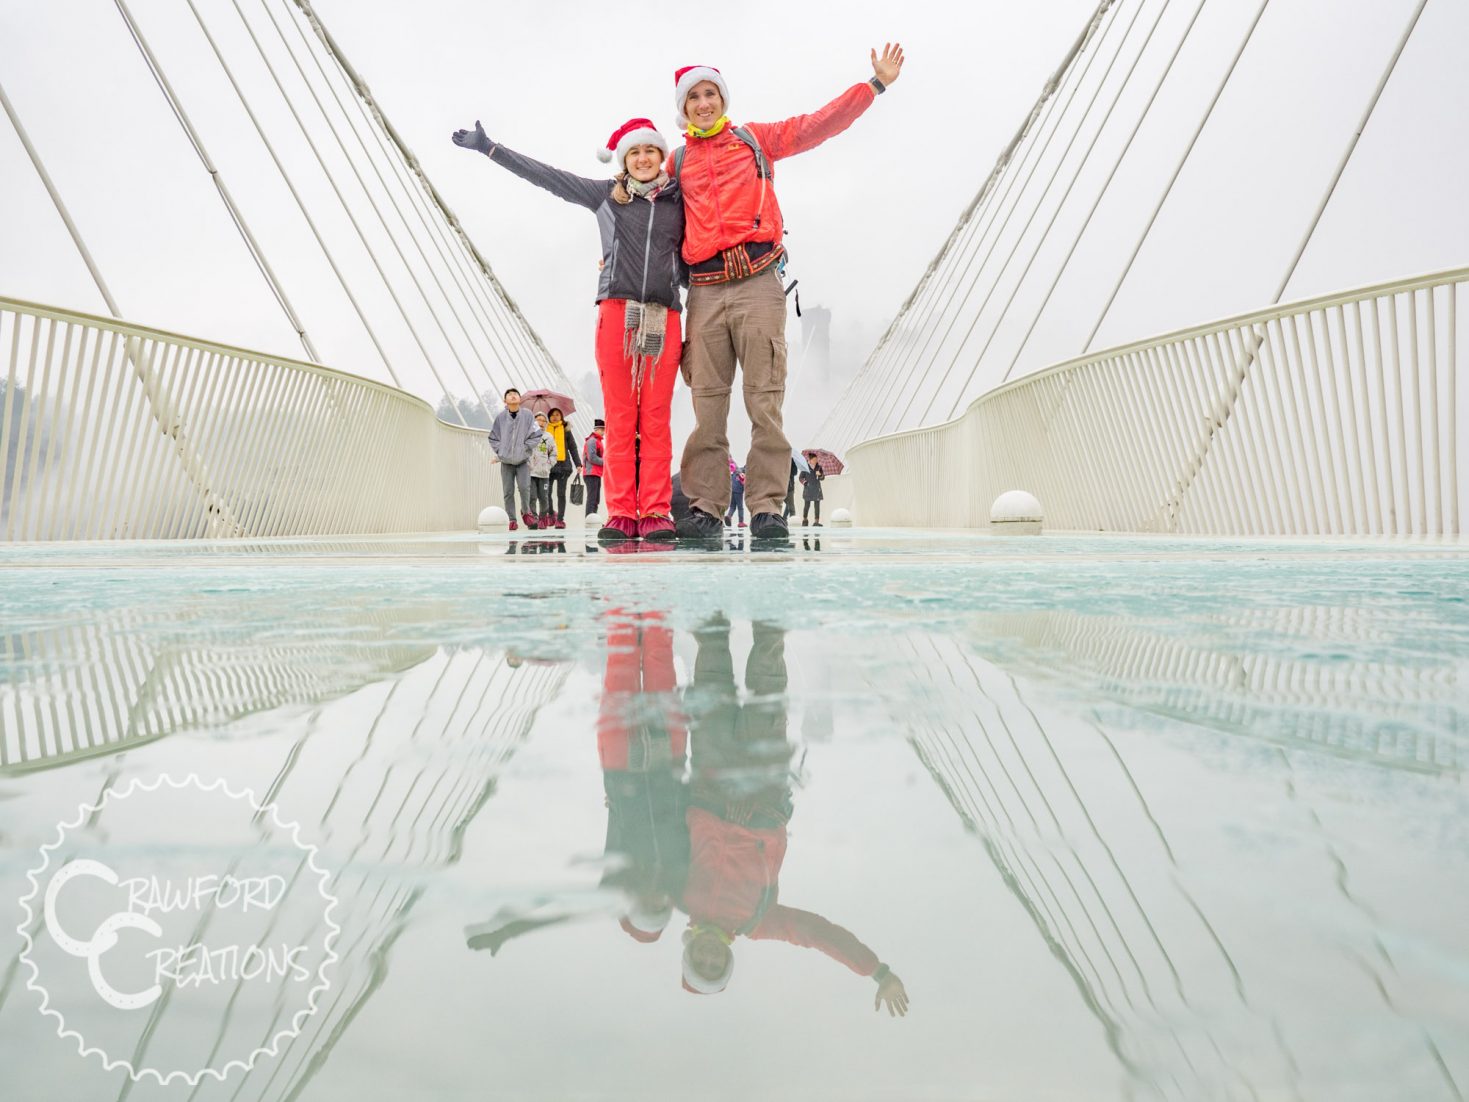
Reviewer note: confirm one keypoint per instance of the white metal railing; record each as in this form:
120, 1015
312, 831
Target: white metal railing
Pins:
110, 430
1338, 415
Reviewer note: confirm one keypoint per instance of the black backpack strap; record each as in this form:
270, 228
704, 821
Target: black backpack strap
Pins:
678, 155
762, 165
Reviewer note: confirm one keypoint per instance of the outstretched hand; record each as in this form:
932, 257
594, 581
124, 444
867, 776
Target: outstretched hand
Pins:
477, 139
891, 990
887, 67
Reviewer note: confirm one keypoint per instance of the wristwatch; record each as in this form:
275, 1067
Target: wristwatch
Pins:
877, 86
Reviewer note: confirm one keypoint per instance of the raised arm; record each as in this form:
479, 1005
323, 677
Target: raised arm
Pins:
803, 132
576, 189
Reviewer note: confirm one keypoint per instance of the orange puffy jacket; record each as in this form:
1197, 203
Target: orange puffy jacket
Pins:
722, 192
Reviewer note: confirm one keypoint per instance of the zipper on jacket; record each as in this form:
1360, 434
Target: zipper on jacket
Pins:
648, 248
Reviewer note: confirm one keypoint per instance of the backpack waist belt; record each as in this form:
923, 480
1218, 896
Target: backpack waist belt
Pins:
740, 262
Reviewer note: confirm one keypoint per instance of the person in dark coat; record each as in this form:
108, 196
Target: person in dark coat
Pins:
811, 491
567, 460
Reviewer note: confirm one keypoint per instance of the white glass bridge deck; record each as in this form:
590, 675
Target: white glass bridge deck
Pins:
1129, 817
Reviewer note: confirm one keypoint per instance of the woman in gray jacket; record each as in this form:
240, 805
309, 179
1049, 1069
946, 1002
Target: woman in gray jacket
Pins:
640, 215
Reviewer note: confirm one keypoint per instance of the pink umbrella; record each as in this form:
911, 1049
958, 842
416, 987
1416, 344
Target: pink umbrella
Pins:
828, 460
543, 401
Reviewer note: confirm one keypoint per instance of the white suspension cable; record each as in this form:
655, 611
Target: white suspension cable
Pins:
1086, 222
468, 282
1040, 202
476, 392
346, 207
1035, 211
524, 329
382, 221
1350, 149
1183, 160
71, 227
236, 216
957, 248
296, 195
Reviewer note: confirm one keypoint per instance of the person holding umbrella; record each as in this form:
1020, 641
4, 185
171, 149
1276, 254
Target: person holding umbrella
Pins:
811, 490
639, 338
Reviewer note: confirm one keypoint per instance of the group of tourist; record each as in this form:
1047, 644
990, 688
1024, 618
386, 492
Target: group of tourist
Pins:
705, 217
538, 455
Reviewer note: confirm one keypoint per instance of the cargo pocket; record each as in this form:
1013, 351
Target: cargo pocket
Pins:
768, 370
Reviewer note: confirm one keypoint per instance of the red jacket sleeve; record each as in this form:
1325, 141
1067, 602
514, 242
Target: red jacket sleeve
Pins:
814, 932
796, 135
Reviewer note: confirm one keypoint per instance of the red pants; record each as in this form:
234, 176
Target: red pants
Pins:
630, 416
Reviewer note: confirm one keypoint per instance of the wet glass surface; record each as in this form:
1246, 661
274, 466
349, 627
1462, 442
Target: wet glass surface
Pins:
1110, 818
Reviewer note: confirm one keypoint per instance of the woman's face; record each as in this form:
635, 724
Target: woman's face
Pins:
541, 419
644, 162
555, 417
704, 104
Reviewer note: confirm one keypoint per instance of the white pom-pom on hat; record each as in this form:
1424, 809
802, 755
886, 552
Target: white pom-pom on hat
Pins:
631, 133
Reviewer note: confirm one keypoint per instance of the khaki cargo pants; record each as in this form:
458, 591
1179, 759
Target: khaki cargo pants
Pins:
744, 322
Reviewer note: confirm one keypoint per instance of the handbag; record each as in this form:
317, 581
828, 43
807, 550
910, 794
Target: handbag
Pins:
578, 491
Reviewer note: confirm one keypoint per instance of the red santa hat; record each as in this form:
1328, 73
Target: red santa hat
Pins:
631, 133
683, 83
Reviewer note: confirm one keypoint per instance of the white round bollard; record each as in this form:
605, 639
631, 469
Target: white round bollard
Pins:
1016, 513
595, 520
492, 518
841, 518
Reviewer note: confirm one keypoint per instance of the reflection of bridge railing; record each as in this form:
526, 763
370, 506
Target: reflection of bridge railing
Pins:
383, 808
1113, 857
1387, 713
82, 690
110, 430
1337, 415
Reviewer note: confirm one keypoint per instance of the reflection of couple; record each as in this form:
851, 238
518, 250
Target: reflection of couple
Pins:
713, 846
707, 216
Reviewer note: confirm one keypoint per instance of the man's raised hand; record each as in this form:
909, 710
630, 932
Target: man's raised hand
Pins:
475, 139
887, 67
891, 990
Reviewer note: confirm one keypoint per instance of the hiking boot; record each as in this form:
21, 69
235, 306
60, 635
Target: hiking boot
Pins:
657, 529
699, 525
530, 521
618, 529
514, 527
769, 526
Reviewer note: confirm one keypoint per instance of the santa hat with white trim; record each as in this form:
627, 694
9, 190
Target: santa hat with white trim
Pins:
631, 133
683, 83
696, 984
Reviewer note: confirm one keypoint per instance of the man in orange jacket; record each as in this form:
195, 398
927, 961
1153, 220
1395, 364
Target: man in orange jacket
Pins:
732, 243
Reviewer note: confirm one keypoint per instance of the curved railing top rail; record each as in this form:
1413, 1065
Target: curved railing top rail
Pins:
1270, 313
148, 332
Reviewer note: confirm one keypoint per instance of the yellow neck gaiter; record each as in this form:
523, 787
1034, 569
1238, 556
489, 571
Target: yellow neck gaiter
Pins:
695, 132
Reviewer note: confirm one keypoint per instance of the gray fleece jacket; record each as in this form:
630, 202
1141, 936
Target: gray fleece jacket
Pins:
641, 240
512, 434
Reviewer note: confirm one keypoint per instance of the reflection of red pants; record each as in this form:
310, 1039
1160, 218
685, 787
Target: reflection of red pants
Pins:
635, 733
629, 416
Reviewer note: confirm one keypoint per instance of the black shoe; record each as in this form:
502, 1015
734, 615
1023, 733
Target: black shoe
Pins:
699, 525
769, 526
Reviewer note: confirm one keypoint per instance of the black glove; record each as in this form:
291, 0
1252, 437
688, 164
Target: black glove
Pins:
475, 139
